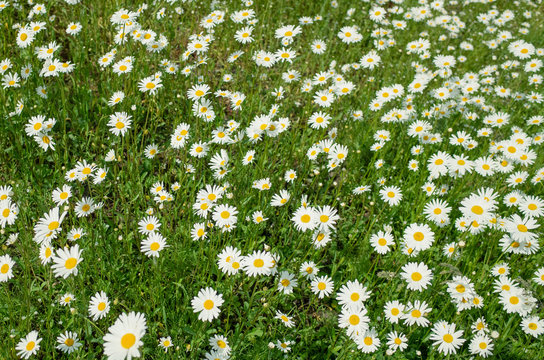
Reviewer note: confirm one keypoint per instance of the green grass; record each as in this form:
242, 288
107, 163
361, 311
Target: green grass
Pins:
162, 289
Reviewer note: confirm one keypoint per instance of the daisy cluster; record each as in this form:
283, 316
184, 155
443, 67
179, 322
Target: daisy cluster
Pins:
241, 179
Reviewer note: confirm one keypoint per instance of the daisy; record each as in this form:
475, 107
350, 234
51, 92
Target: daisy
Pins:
352, 294
319, 120
418, 237
533, 325
100, 175
61, 195
323, 98
309, 270
394, 310
539, 276
288, 32
153, 245
6, 266
258, 263
120, 123
224, 215
416, 313
197, 92
381, 242
244, 35
25, 36
220, 344
417, 275
85, 207
326, 217
397, 341
198, 232
520, 228
354, 320
49, 225
516, 301
287, 282
532, 206
29, 345
284, 346
368, 342
66, 299
392, 195
481, 345
305, 218
446, 338
322, 286
73, 28
286, 320
280, 199
123, 338
46, 252
66, 261
150, 84
149, 224
165, 343
99, 305
361, 189
437, 211
501, 269
68, 342
207, 304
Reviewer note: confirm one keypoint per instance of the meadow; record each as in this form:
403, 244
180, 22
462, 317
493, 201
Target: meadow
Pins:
271, 179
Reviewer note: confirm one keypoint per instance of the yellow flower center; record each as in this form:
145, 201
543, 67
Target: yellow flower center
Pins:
128, 340
4, 269
70, 263
416, 276
208, 304
258, 263
354, 319
448, 338
478, 210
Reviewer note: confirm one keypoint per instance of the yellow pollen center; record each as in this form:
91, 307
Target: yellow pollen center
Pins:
70, 263
478, 210
448, 338
354, 320
4, 269
208, 304
258, 263
321, 286
416, 276
128, 340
